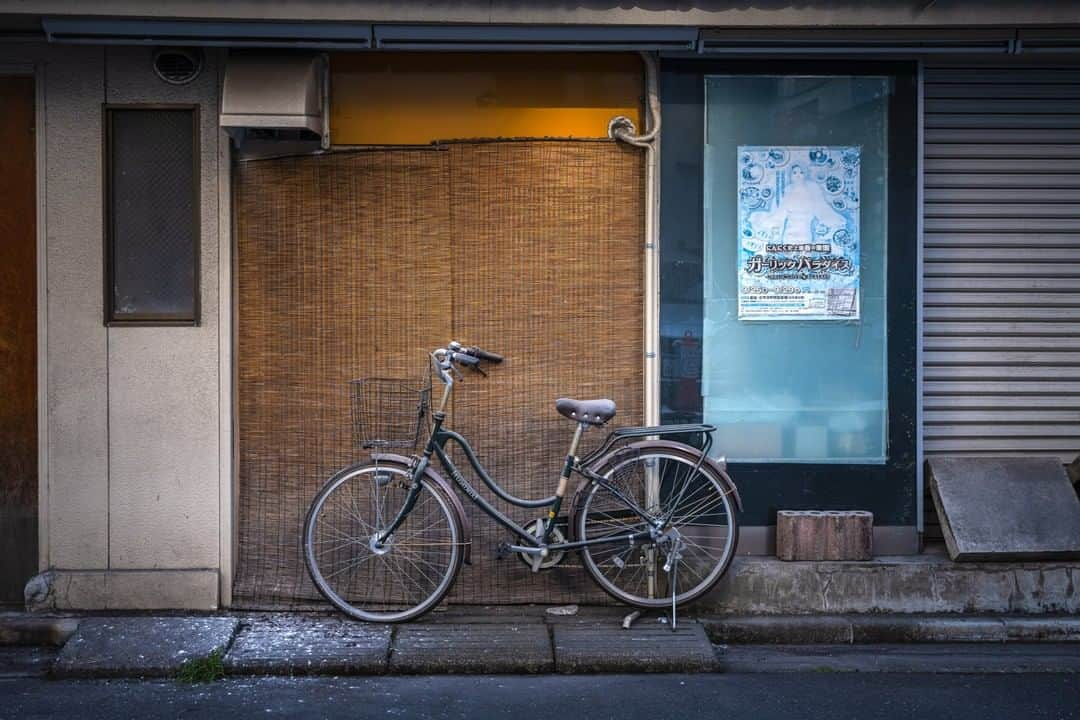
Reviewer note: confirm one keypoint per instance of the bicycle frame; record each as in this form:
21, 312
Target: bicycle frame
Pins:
436, 446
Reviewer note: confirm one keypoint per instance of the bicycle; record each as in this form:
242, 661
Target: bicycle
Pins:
655, 520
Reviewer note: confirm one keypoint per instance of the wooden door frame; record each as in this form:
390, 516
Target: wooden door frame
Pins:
36, 70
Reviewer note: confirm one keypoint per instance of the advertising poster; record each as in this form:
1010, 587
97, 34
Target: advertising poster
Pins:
798, 211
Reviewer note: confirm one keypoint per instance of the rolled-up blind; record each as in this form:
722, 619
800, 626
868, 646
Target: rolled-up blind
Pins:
354, 264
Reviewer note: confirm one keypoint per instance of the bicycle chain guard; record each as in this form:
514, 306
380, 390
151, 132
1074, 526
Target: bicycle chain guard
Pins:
536, 529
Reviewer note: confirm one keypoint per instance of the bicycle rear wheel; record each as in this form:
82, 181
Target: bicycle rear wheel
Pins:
398, 580
702, 515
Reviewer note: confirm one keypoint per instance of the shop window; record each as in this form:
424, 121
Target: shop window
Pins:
795, 233
787, 272
151, 215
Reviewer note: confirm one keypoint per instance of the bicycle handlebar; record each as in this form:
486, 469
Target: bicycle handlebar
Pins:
460, 350
466, 359
485, 355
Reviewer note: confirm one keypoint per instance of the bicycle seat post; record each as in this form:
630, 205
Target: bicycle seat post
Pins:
564, 479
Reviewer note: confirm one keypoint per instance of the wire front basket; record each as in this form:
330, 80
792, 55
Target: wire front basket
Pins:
389, 412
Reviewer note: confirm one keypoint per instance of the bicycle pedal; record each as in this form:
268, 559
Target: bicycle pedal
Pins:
503, 551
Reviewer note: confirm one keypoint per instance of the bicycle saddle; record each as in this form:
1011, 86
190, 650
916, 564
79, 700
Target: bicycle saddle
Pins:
594, 412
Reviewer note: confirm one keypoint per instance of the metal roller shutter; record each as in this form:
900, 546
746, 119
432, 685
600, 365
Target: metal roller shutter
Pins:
1002, 261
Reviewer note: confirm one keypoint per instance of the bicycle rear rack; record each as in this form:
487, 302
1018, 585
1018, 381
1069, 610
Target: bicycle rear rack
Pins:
628, 433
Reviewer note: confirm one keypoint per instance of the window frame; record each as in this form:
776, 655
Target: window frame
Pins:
192, 319
887, 489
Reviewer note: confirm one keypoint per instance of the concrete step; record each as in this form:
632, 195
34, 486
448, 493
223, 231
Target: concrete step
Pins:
928, 583
647, 647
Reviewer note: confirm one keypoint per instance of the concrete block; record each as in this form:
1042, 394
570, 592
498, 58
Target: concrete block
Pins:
1006, 508
787, 630
754, 586
648, 646
292, 645
909, 584
436, 648
1053, 586
129, 590
1038, 629
905, 629
884, 586
142, 646
824, 535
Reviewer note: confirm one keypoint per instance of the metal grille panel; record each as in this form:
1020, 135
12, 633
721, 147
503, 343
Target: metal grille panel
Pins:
153, 231
1002, 261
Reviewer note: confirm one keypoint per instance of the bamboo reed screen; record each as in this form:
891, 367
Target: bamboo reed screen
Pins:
357, 264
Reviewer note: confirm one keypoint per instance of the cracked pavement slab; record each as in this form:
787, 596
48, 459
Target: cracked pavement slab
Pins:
142, 646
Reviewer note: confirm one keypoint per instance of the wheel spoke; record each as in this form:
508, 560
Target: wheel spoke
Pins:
700, 510
409, 572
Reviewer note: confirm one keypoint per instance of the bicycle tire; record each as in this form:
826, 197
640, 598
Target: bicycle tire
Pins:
599, 513
387, 584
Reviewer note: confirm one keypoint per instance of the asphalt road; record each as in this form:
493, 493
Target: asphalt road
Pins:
791, 696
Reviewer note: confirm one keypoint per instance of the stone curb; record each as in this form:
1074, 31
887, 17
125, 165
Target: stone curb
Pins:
157, 646
143, 646
882, 629
23, 629
471, 648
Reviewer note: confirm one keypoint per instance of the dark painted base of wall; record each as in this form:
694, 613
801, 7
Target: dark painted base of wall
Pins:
19, 559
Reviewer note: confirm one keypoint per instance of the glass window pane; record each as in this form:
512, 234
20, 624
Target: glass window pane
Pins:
152, 202
794, 389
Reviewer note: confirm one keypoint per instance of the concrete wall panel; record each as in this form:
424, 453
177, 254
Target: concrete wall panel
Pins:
163, 381
77, 360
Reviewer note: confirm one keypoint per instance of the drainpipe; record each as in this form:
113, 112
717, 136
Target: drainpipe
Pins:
622, 128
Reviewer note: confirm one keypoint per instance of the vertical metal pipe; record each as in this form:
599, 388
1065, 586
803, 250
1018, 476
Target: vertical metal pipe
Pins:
622, 129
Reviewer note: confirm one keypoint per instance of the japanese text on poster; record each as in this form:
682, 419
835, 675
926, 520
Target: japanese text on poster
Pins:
798, 233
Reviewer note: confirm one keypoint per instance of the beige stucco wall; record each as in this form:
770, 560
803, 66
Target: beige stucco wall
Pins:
162, 384
131, 465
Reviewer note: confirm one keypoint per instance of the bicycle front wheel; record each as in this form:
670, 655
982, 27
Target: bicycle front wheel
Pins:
665, 483
398, 579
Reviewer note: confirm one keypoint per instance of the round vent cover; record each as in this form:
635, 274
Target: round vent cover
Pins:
178, 66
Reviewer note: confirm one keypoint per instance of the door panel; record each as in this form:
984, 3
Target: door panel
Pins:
18, 339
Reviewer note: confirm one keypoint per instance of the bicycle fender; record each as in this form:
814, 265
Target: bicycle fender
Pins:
718, 466
448, 490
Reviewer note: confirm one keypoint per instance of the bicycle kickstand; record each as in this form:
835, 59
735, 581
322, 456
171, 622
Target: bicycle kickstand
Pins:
671, 567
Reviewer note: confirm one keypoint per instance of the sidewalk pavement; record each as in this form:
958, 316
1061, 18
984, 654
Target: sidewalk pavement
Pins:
490, 640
